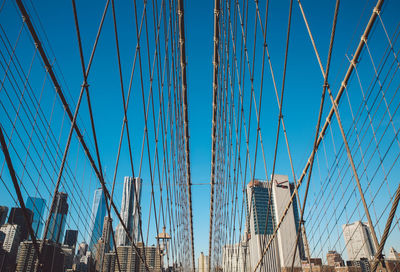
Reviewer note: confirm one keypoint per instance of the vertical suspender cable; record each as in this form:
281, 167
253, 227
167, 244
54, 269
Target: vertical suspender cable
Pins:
185, 118
214, 122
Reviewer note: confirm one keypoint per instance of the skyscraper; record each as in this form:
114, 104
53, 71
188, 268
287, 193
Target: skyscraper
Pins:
17, 217
96, 218
129, 211
3, 214
358, 240
58, 217
277, 195
36, 205
71, 236
203, 262
12, 238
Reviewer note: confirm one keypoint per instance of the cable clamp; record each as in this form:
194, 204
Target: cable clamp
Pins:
85, 85
364, 39
377, 10
344, 84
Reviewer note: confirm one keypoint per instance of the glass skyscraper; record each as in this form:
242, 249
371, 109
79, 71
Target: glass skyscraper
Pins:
97, 218
58, 218
129, 211
36, 205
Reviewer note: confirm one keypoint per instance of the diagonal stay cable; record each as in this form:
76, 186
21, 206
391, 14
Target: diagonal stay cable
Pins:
67, 108
336, 101
85, 84
279, 124
321, 108
18, 191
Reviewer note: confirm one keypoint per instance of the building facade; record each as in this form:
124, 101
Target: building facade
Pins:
130, 209
97, 218
58, 218
11, 233
71, 237
203, 263
17, 217
266, 204
36, 205
3, 214
358, 240
235, 257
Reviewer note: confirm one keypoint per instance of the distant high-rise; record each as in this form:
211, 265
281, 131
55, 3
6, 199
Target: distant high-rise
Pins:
36, 205
12, 238
334, 259
129, 211
71, 236
58, 218
203, 263
3, 214
53, 260
234, 257
358, 240
97, 218
17, 217
259, 228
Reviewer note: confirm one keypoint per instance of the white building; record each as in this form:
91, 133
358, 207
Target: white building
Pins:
280, 252
236, 257
11, 234
129, 211
203, 263
358, 240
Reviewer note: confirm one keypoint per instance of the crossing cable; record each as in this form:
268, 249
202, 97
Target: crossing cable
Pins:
19, 195
124, 123
185, 117
335, 101
66, 106
214, 120
30, 138
317, 130
377, 146
279, 125
368, 110
350, 157
93, 129
38, 108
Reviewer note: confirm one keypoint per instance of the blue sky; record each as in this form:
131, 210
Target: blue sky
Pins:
302, 91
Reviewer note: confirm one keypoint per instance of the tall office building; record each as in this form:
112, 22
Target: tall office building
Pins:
71, 237
358, 240
129, 211
58, 218
203, 263
259, 231
17, 217
36, 205
97, 218
3, 214
12, 237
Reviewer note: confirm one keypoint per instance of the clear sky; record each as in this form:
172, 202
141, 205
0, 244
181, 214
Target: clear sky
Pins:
301, 99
